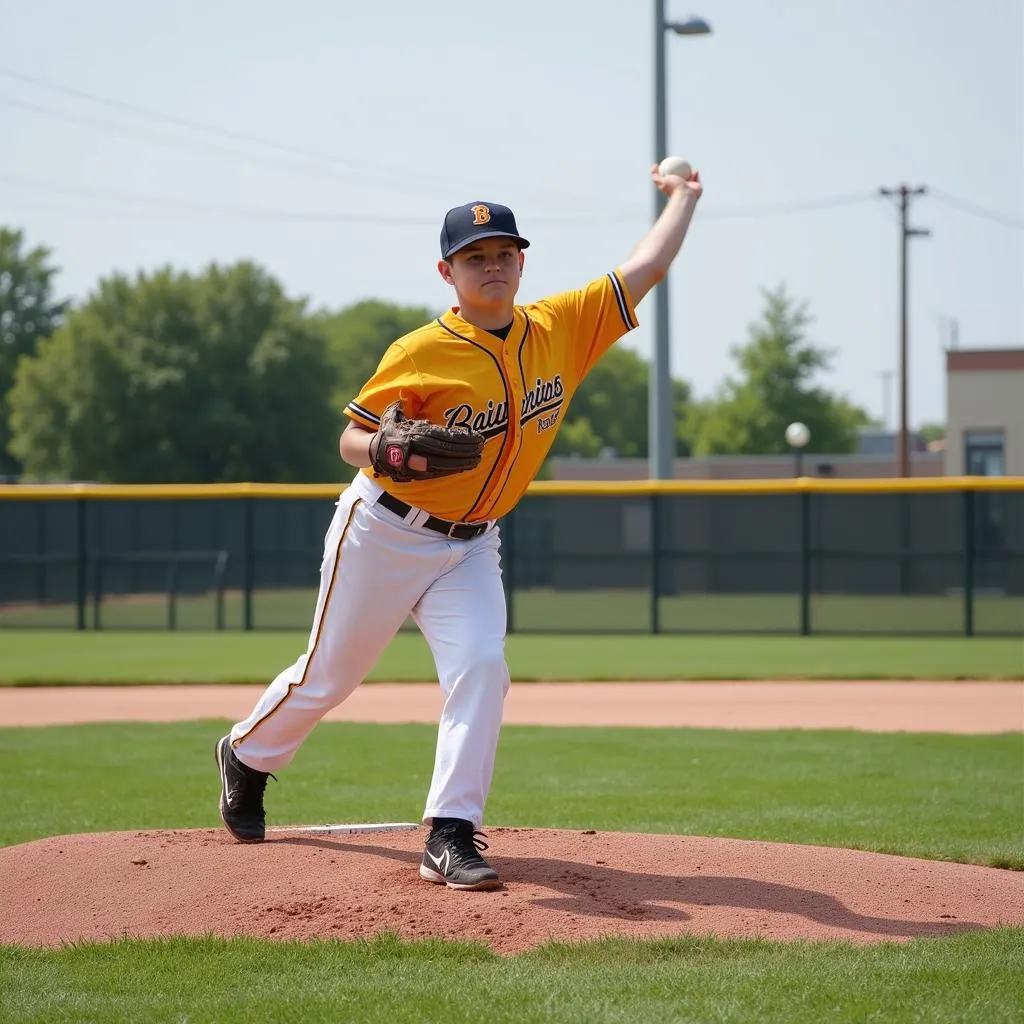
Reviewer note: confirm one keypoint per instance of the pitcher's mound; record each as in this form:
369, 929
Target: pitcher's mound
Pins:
562, 885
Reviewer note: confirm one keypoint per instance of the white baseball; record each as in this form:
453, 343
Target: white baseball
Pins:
675, 165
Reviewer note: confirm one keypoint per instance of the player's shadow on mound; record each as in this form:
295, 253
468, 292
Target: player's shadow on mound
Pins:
596, 890
601, 891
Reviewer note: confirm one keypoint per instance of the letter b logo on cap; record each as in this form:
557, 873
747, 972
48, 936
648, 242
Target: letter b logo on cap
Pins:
481, 214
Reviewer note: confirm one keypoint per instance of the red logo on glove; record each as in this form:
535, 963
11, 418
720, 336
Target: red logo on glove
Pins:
394, 456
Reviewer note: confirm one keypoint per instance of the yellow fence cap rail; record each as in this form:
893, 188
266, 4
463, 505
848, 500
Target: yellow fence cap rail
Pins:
152, 492
789, 485
544, 488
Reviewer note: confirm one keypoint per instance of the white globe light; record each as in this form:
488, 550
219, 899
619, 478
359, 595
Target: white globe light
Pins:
797, 435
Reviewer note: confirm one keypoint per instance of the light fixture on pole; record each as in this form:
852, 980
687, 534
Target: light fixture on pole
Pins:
797, 436
660, 419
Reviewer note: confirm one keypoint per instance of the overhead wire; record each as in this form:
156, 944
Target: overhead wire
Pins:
216, 209
301, 157
196, 146
232, 210
996, 216
786, 208
417, 187
366, 171
184, 122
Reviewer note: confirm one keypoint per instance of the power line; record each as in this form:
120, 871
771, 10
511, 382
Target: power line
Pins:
109, 213
301, 156
80, 120
222, 209
885, 210
231, 211
418, 187
784, 209
423, 183
184, 122
1006, 219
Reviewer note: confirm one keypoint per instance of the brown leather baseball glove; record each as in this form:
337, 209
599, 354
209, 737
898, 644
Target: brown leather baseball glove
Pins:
446, 451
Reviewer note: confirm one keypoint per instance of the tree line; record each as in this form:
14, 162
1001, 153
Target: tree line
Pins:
220, 376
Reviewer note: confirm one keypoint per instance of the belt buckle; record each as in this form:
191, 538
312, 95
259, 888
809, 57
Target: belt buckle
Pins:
476, 528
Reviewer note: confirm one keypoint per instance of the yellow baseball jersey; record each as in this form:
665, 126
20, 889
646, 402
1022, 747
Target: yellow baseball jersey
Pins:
515, 392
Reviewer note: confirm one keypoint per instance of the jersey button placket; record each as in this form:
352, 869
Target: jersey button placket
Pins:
510, 368
515, 403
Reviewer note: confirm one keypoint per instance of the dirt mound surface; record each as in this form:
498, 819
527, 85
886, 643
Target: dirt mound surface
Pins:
560, 885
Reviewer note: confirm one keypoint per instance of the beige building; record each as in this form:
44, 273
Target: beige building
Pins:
985, 412
750, 467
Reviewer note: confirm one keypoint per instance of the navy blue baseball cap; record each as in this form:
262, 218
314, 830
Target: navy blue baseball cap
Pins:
474, 221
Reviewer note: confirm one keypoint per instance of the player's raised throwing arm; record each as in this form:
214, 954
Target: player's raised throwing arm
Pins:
655, 252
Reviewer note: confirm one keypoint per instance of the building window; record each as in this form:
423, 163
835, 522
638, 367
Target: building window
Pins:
984, 453
984, 456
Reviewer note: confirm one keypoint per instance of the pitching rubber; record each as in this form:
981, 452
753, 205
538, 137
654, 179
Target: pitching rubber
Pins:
340, 830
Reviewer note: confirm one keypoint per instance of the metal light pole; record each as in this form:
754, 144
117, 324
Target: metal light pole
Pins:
797, 436
660, 420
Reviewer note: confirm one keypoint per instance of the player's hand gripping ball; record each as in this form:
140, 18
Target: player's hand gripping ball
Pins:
675, 165
445, 451
674, 175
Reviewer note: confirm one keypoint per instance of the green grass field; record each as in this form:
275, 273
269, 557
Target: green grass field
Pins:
44, 656
948, 797
957, 797
973, 979
613, 610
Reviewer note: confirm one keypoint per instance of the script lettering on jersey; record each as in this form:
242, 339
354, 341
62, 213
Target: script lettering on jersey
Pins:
546, 422
542, 403
491, 420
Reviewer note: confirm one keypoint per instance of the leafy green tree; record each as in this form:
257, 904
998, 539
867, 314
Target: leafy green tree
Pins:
179, 378
682, 399
610, 409
28, 313
932, 432
749, 416
358, 336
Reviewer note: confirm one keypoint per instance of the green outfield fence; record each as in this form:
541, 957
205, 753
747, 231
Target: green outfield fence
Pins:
929, 556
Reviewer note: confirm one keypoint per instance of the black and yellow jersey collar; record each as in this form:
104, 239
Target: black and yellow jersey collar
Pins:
454, 324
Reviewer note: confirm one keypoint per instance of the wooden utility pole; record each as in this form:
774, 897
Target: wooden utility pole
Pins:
904, 192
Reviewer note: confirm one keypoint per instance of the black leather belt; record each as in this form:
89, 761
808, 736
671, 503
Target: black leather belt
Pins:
459, 531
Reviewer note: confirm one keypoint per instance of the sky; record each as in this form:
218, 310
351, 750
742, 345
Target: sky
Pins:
378, 117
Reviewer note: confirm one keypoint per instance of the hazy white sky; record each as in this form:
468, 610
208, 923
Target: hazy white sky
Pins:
387, 114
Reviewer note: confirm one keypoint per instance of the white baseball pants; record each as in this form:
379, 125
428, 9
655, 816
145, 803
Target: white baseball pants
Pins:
377, 570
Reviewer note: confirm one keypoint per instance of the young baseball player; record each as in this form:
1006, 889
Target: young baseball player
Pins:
449, 432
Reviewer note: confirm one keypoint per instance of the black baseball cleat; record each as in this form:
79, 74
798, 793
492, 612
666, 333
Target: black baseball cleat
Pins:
241, 795
452, 857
